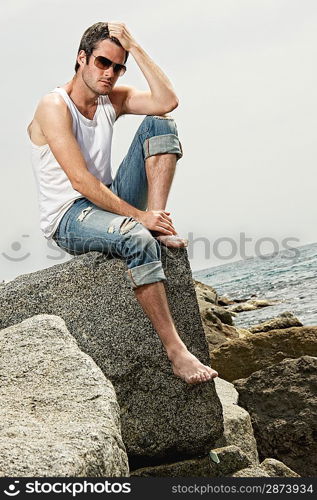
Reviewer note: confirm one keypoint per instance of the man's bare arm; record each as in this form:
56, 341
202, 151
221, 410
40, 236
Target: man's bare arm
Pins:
55, 121
161, 97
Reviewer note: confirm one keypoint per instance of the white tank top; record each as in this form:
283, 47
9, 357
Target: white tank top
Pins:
55, 192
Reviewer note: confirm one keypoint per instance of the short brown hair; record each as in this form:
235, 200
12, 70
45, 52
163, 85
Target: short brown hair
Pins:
92, 36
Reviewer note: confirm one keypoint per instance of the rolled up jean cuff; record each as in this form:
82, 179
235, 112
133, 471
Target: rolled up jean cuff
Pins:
146, 273
158, 144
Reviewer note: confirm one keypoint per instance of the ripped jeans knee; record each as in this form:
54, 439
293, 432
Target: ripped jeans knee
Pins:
140, 250
142, 253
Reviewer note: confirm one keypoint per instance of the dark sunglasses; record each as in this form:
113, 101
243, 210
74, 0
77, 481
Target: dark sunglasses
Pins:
104, 63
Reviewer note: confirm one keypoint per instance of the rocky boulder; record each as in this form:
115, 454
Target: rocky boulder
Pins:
220, 312
161, 416
59, 414
282, 402
217, 321
284, 320
217, 333
239, 358
208, 302
205, 293
238, 429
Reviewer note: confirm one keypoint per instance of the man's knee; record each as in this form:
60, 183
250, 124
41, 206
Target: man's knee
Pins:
139, 243
143, 257
141, 238
163, 136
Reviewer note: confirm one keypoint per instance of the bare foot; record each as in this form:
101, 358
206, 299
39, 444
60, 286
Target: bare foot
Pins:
189, 368
172, 240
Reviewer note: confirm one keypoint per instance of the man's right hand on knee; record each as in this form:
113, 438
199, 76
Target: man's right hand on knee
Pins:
157, 220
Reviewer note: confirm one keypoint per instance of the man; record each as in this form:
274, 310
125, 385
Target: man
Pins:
82, 208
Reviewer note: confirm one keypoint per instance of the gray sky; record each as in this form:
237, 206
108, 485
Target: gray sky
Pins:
245, 74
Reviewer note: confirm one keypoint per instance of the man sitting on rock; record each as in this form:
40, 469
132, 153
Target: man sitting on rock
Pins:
82, 208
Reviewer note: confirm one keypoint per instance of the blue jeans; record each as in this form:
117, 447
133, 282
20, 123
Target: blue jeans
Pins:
85, 227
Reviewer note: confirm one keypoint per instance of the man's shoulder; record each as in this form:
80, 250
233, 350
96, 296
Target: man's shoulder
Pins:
51, 104
51, 100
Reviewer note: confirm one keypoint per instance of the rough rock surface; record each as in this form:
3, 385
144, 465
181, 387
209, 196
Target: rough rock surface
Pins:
221, 313
239, 358
268, 468
217, 333
161, 416
208, 301
205, 293
217, 321
284, 320
282, 402
58, 413
230, 459
223, 300
238, 429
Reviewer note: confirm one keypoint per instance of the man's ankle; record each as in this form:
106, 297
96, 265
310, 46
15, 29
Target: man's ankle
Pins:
173, 350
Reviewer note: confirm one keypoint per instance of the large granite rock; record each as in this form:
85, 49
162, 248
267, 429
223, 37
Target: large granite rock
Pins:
238, 429
58, 413
220, 462
161, 416
239, 358
282, 402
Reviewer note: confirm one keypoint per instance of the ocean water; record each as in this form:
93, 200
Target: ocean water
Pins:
290, 276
